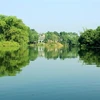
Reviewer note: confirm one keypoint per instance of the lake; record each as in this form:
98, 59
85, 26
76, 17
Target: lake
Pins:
41, 74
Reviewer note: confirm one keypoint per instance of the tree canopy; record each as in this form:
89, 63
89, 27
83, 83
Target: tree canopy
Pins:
13, 29
33, 36
69, 38
90, 38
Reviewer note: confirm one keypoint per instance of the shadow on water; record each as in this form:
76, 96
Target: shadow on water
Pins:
12, 62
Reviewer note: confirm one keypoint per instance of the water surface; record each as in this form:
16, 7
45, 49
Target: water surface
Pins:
41, 74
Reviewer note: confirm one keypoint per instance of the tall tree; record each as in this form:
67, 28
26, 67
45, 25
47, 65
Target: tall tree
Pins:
90, 38
13, 29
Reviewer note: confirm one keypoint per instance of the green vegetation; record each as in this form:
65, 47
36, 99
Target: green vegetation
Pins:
14, 33
53, 45
13, 29
65, 38
90, 46
51, 36
69, 38
9, 44
33, 36
90, 38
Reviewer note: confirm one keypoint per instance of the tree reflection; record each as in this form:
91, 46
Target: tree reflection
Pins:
52, 54
90, 57
71, 52
11, 62
62, 53
33, 53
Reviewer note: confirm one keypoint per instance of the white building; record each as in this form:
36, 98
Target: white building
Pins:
41, 38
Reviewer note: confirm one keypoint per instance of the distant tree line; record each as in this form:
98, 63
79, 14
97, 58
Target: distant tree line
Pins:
89, 38
69, 38
14, 30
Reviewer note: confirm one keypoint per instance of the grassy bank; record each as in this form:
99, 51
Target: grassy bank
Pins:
49, 45
53, 45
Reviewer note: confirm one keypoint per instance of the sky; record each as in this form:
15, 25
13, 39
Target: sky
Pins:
54, 15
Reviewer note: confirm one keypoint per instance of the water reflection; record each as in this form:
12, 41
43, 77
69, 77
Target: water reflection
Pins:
33, 53
11, 62
54, 53
90, 57
62, 53
71, 52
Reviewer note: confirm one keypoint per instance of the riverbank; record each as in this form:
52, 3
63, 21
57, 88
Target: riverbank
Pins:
49, 45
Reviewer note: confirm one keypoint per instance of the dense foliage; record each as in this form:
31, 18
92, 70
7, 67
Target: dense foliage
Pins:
4, 44
51, 36
33, 36
68, 38
13, 29
14, 33
90, 38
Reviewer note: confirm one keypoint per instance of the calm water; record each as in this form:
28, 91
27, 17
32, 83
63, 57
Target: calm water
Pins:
41, 74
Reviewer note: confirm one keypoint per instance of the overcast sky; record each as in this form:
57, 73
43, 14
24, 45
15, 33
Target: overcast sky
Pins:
54, 15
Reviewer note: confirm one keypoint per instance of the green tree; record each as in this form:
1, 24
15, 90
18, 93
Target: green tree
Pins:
33, 36
69, 38
51, 37
13, 29
90, 38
